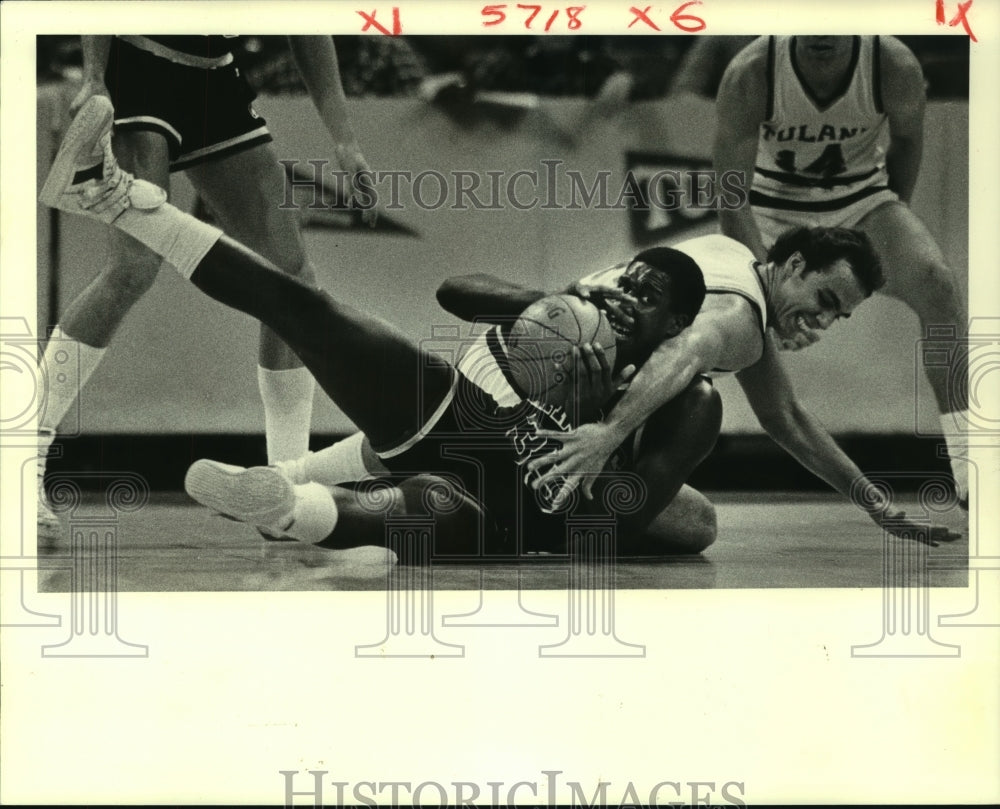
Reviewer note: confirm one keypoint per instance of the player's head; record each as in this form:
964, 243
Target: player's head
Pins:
666, 290
823, 275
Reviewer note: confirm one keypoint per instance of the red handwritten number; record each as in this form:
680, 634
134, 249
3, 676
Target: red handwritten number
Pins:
695, 23
960, 17
532, 15
497, 15
496, 11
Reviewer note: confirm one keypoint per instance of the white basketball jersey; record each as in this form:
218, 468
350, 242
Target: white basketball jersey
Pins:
726, 264
821, 157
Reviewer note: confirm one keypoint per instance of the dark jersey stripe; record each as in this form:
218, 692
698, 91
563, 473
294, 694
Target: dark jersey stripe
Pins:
770, 79
759, 200
877, 75
503, 363
815, 182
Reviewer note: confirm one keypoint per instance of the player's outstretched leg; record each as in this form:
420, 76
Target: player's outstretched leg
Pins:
382, 381
336, 518
261, 496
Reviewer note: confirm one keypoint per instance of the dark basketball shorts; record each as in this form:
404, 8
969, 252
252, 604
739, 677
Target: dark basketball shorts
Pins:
482, 447
203, 113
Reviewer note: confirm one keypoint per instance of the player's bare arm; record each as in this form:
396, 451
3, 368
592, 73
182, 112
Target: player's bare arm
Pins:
96, 50
904, 99
316, 59
484, 297
726, 334
740, 107
772, 398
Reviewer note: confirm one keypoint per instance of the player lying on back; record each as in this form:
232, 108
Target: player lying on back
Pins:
420, 414
812, 278
356, 358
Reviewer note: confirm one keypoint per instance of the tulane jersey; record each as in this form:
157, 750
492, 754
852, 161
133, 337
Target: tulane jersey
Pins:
726, 264
814, 157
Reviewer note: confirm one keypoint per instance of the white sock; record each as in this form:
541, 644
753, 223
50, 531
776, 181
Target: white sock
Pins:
342, 462
65, 368
953, 425
288, 402
315, 514
181, 239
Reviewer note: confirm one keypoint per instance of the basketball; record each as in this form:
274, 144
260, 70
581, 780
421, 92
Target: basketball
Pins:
540, 346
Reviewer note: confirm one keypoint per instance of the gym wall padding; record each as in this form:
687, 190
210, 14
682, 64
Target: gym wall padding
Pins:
183, 363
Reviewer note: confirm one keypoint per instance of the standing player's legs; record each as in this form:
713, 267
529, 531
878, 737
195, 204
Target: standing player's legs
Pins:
383, 382
674, 518
245, 191
917, 274
93, 317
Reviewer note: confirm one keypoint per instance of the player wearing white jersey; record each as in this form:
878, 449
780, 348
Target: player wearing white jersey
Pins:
831, 131
727, 267
810, 279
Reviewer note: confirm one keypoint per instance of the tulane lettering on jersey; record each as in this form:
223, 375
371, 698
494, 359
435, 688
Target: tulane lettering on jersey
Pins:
811, 156
806, 134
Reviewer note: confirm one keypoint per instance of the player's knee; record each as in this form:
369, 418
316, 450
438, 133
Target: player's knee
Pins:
939, 289
131, 273
703, 530
687, 527
697, 412
702, 401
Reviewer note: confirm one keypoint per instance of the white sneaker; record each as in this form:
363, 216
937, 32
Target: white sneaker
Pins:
261, 495
85, 177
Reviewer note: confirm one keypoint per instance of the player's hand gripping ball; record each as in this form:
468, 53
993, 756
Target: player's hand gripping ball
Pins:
541, 341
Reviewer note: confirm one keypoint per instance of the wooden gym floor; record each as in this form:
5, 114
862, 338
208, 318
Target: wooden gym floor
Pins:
765, 541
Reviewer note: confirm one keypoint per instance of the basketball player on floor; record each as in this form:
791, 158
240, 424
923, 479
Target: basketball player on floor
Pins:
809, 119
181, 104
354, 357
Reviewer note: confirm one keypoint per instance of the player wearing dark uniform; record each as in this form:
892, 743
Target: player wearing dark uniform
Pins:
190, 90
182, 103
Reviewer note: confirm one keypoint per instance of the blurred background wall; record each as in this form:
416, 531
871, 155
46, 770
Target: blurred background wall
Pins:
184, 365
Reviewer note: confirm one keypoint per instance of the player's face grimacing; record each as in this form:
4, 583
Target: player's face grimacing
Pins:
642, 319
808, 302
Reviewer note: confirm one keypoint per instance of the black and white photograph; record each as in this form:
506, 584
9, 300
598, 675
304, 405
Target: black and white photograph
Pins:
618, 382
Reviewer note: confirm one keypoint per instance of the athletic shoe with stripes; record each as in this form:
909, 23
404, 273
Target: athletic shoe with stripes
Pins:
85, 177
261, 496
